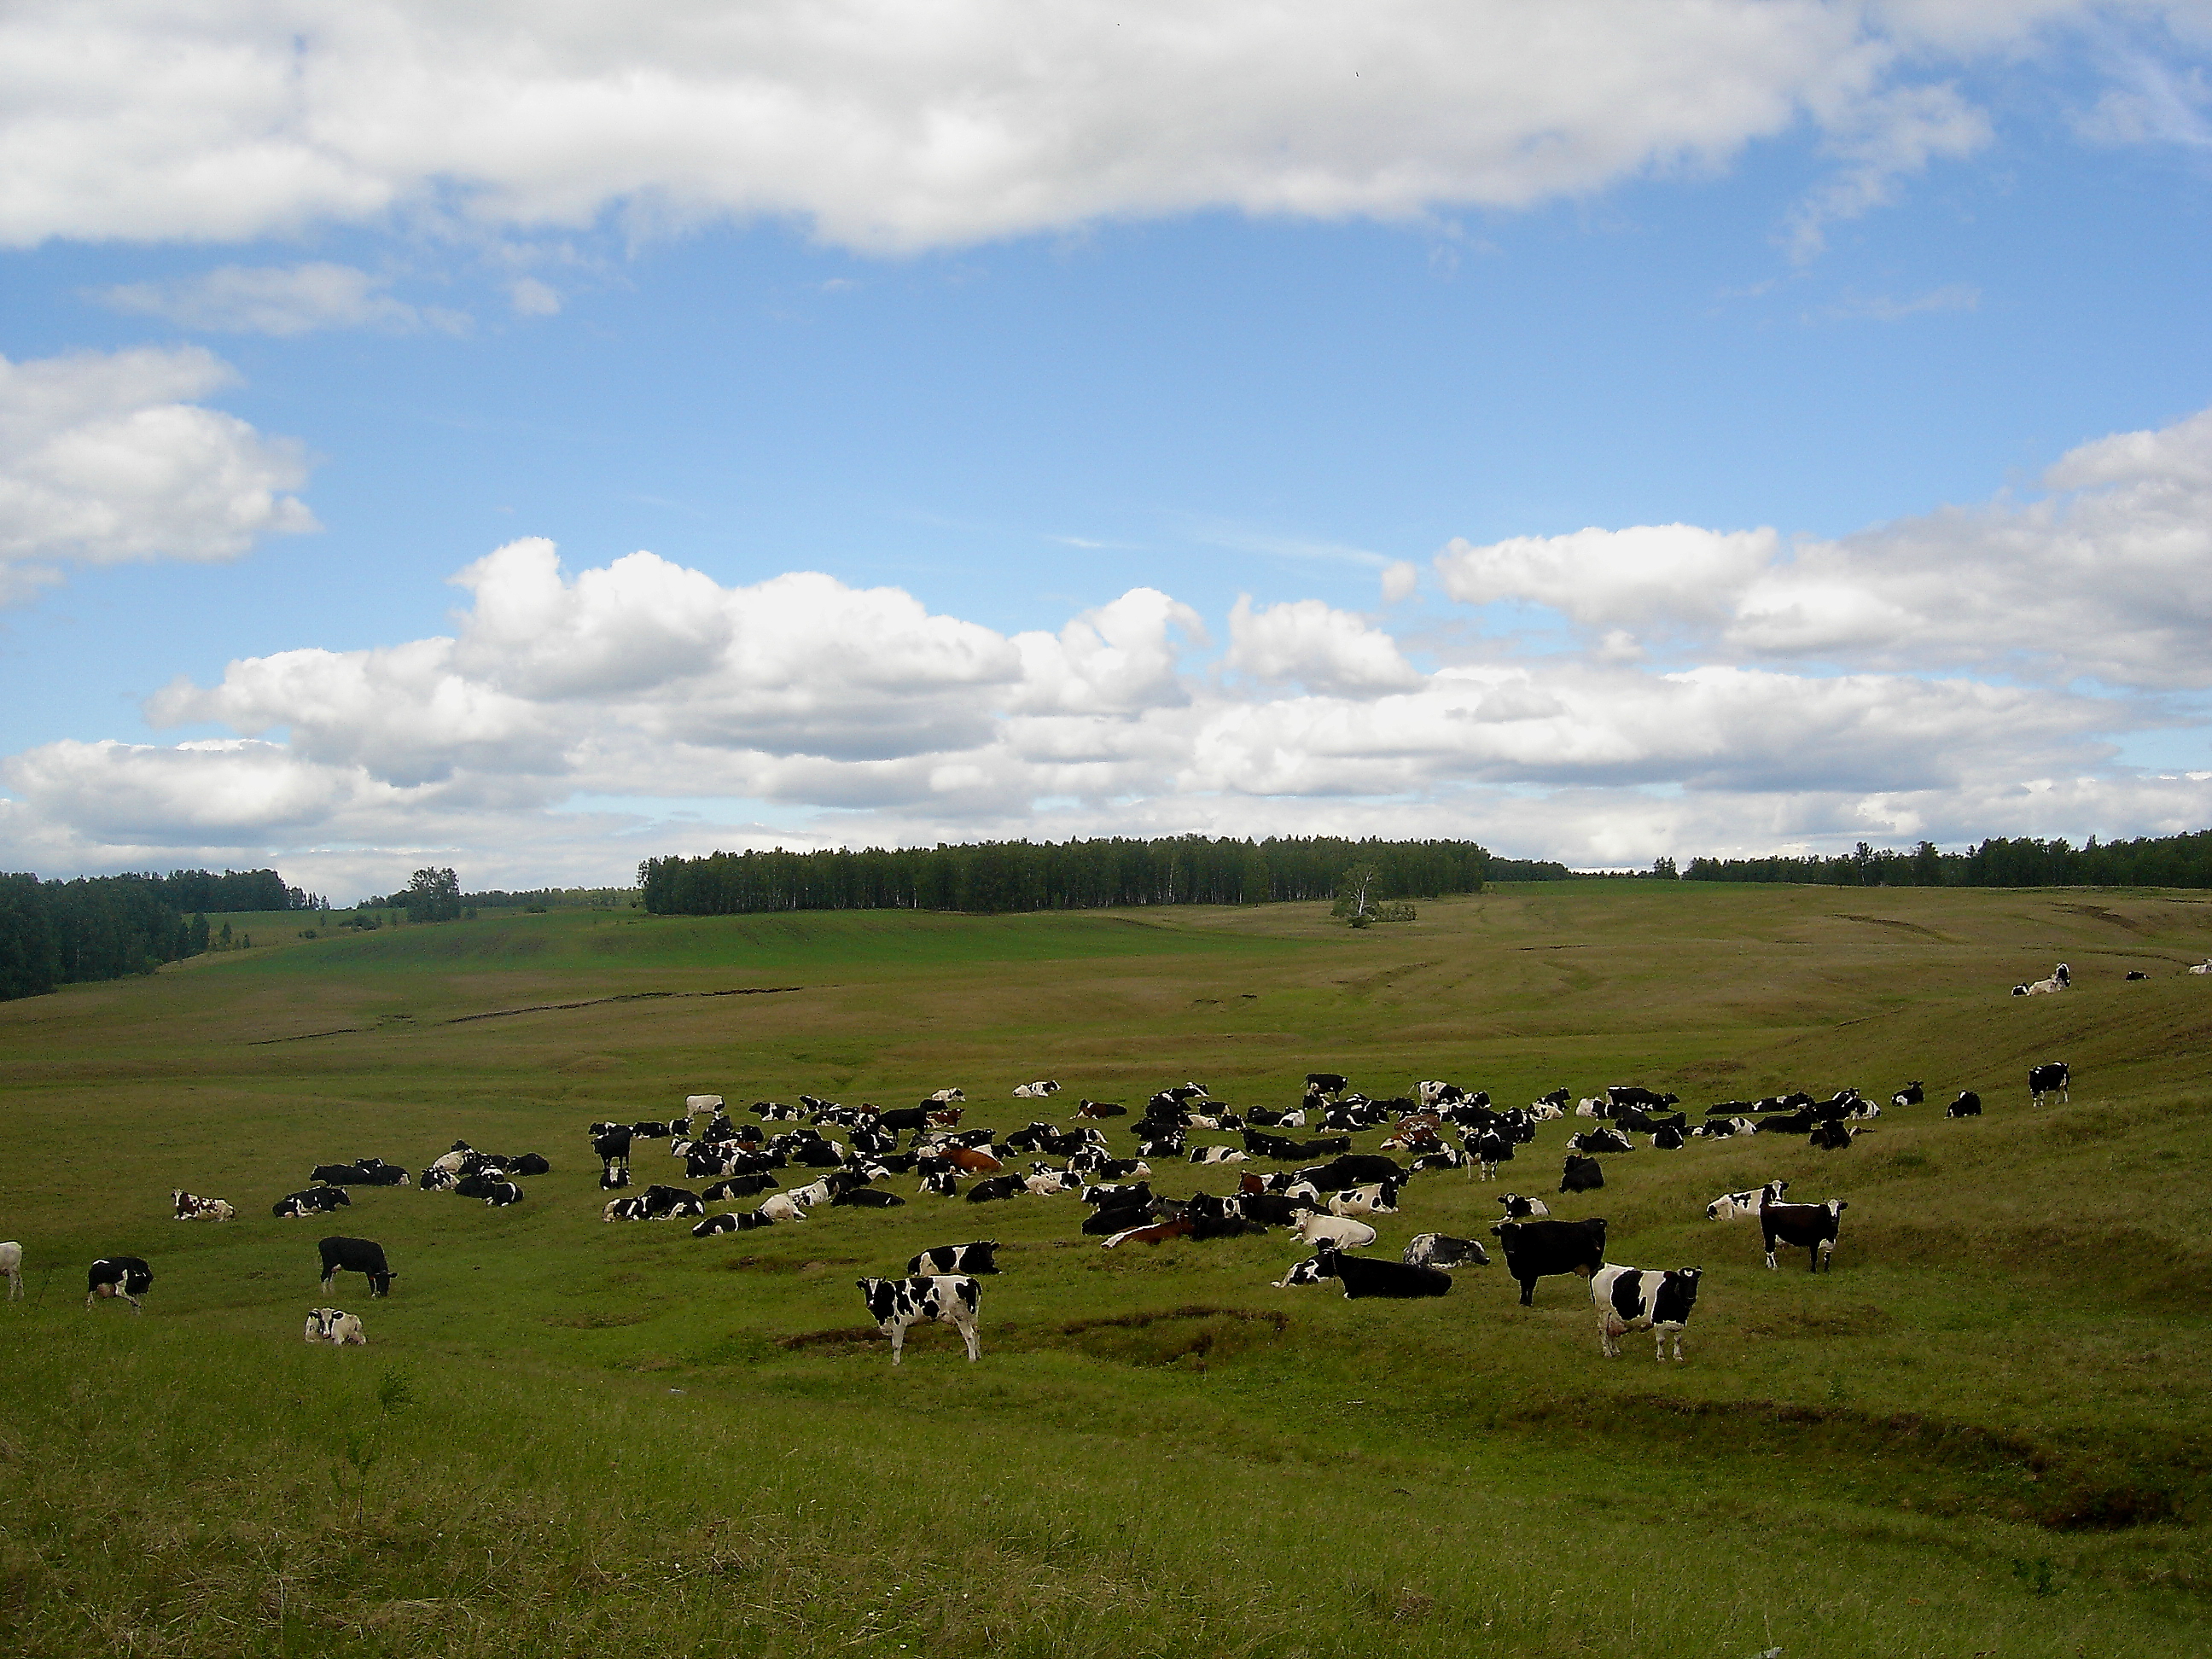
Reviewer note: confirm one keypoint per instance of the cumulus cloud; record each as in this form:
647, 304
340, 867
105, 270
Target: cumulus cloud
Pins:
1329, 651
888, 125
2110, 577
279, 300
103, 460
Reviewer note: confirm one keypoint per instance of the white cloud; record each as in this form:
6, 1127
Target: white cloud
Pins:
1331, 652
102, 462
279, 300
886, 125
2111, 579
531, 298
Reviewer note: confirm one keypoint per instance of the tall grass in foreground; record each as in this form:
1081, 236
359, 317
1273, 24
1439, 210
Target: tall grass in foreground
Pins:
165, 1495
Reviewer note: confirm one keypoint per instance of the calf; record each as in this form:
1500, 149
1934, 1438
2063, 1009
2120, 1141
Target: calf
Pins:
190, 1208
950, 1298
1968, 1104
1582, 1174
1518, 1208
1811, 1227
1640, 1299
1362, 1275
2052, 1079
1101, 1109
1832, 1136
336, 1327
356, 1255
614, 1179
980, 1256
1337, 1232
944, 1182
1442, 1250
125, 1276
11, 1264
1489, 1150
1539, 1250
624, 1209
1328, 1082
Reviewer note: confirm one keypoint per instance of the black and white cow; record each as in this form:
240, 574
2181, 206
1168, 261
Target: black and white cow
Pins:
612, 1145
356, 1255
979, 1257
1538, 1250
1443, 1250
950, 1298
2137, 973
1377, 1198
746, 1223
1218, 1155
368, 1172
336, 1327
1040, 1090
125, 1276
1582, 1174
1669, 1137
1489, 1150
1809, 1227
1911, 1095
1601, 1140
663, 1202
866, 1198
614, 1178
1326, 1083
313, 1200
743, 1186
1312, 1270
1832, 1136
1366, 1276
1624, 1094
649, 1130
624, 1209
2052, 1079
500, 1194
1643, 1300
1518, 1208
1968, 1104
1728, 1206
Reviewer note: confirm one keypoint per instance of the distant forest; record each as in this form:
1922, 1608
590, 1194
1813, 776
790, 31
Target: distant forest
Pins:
993, 877
2183, 860
57, 933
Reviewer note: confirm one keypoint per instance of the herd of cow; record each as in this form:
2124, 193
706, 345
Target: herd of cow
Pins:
1328, 1205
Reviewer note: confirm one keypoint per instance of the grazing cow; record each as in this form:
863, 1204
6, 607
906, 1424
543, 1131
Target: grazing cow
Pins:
867, 1198
313, 1200
624, 1209
1518, 1208
336, 1327
1337, 1232
11, 1264
1601, 1140
1538, 1250
979, 1257
1364, 1275
356, 1255
731, 1224
1832, 1136
1911, 1095
1642, 1299
1582, 1174
2052, 1079
1811, 1227
998, 1187
125, 1276
1043, 1087
1326, 1083
1968, 1104
950, 1298
1728, 1206
190, 1208
1442, 1250
1380, 1198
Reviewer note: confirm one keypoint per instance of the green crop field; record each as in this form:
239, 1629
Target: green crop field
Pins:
1987, 1433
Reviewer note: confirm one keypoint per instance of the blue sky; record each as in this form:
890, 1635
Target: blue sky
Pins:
1923, 255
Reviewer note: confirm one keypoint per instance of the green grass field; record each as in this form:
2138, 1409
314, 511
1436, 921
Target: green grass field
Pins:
1987, 1433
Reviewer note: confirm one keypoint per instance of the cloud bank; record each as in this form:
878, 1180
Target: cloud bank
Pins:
1963, 674
887, 125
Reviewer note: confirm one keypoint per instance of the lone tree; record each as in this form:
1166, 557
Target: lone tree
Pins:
1357, 904
433, 896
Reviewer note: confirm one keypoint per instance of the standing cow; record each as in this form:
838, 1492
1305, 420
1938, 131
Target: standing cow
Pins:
1640, 1299
950, 1298
356, 1255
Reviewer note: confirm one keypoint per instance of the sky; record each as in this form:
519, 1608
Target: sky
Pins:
534, 439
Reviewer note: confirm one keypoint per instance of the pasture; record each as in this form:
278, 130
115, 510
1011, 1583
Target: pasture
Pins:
1987, 1431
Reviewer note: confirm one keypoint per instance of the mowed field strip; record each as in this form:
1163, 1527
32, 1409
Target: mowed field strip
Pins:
1985, 1432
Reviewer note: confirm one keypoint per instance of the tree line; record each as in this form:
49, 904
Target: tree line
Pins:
57, 933
2183, 860
996, 877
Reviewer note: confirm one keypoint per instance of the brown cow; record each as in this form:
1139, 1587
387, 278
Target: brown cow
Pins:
1181, 1227
968, 1161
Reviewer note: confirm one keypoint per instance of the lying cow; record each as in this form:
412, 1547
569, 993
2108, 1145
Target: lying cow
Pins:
1442, 1250
1968, 1104
1728, 1206
191, 1208
1311, 1271
1834, 1136
1911, 1095
1218, 1155
356, 1255
1582, 1174
1810, 1227
1538, 1250
1518, 1208
1363, 1276
336, 1327
1641, 1299
313, 1200
866, 1198
1338, 1232
979, 1257
1380, 1198
714, 1224
124, 1276
1601, 1140
950, 1298
1038, 1090
998, 1187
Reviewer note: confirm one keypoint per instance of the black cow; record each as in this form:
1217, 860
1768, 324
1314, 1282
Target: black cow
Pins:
1326, 1083
2052, 1079
499, 1194
314, 1200
125, 1276
1442, 1250
1601, 1140
1119, 1196
731, 1224
1353, 1170
1582, 1174
356, 1255
661, 1202
866, 1198
1637, 1299
997, 1186
743, 1186
1832, 1135
895, 1304
369, 1172
1911, 1095
530, 1164
1968, 1104
979, 1257
649, 1130
1561, 1098
2137, 973
1811, 1227
1538, 1250
1366, 1276
1119, 1219
1668, 1138
614, 1177
1625, 1094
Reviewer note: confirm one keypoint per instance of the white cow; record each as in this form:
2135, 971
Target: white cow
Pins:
701, 1103
336, 1327
1037, 1090
1340, 1231
11, 1263
1377, 1198
944, 1098
783, 1207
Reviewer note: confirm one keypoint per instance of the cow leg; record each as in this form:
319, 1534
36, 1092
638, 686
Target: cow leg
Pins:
973, 1338
328, 1278
898, 1340
133, 1301
1770, 1255
1528, 1292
